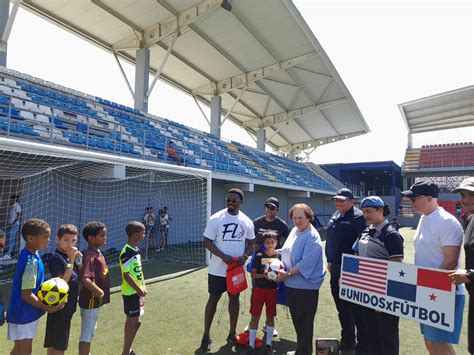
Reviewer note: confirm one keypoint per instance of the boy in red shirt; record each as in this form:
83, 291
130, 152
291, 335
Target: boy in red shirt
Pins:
95, 281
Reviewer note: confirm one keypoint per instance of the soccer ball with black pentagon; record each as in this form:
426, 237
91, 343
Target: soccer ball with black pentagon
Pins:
53, 292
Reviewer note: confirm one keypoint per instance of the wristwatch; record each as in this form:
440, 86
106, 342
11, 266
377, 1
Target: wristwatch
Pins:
69, 266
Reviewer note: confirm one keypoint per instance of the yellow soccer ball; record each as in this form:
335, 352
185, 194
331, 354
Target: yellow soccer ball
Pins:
53, 292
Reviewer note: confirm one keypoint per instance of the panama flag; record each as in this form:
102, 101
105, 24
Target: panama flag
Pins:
419, 284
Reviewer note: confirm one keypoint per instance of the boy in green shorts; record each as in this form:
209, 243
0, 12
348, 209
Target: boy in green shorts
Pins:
133, 283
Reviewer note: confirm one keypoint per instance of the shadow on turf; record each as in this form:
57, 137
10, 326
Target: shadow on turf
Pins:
281, 346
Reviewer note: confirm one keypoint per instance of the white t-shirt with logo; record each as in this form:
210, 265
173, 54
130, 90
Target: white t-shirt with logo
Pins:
229, 234
435, 231
14, 209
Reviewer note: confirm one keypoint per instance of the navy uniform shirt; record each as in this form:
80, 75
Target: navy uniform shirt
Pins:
342, 232
380, 242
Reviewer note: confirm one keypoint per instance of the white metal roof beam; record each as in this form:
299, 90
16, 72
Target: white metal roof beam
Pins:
272, 54
118, 16
297, 147
313, 72
234, 62
10, 21
244, 79
154, 34
282, 117
53, 18
441, 126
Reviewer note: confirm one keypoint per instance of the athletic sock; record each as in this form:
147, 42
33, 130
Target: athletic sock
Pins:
269, 336
253, 336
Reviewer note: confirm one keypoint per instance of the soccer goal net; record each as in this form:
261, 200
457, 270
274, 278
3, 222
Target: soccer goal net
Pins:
62, 185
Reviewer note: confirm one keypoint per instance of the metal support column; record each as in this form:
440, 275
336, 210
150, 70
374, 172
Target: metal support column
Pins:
4, 12
142, 72
410, 141
261, 139
216, 105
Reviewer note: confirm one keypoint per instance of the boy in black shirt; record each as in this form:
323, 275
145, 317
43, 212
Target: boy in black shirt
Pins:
64, 263
263, 293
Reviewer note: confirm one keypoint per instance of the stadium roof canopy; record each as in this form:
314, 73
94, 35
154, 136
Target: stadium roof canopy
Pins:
452, 109
261, 58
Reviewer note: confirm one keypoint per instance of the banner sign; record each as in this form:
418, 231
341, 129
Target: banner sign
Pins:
424, 295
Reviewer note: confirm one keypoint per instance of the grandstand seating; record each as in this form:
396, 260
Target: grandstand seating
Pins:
451, 155
34, 109
447, 155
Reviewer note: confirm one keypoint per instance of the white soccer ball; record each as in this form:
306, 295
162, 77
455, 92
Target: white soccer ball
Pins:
272, 268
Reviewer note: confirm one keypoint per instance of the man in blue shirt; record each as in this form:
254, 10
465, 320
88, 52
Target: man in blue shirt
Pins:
343, 229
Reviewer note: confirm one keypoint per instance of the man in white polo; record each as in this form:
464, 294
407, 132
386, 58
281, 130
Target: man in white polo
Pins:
438, 240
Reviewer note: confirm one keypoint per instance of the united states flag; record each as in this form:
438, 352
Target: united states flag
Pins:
365, 274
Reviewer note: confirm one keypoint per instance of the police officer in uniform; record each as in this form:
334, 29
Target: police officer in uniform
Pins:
343, 229
380, 240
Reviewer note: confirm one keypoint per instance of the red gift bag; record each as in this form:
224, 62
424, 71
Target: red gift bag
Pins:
236, 281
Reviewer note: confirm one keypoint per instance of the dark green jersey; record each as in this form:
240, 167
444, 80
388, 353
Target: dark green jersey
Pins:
130, 261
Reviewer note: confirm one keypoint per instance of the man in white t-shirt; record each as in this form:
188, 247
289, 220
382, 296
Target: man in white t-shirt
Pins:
13, 224
438, 239
229, 234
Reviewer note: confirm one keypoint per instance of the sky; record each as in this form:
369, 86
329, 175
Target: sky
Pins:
387, 53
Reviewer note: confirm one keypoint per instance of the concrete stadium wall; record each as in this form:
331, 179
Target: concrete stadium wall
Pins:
253, 205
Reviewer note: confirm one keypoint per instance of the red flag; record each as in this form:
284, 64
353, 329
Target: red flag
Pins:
434, 279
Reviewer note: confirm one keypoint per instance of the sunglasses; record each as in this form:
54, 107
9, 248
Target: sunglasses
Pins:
270, 207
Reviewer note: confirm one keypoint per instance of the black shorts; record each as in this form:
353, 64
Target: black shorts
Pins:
131, 305
57, 330
217, 285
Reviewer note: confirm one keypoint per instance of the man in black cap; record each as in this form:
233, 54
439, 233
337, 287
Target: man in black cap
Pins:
270, 222
343, 229
438, 239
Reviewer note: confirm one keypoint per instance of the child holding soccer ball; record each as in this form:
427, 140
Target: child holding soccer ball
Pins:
66, 264
25, 309
263, 293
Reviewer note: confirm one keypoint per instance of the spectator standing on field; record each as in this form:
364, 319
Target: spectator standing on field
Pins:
438, 239
343, 229
229, 234
466, 189
13, 224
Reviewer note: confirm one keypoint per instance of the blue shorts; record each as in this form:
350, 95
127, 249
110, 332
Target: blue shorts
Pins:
442, 336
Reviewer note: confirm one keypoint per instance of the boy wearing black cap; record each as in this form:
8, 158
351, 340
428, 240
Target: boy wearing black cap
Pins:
229, 234
438, 239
